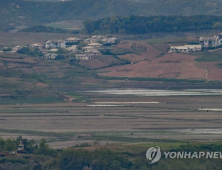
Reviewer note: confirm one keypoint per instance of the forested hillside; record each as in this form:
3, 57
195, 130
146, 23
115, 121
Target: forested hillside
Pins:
143, 25
26, 12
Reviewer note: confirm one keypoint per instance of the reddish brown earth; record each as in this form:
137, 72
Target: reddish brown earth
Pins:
39, 84
176, 65
94, 63
147, 54
214, 71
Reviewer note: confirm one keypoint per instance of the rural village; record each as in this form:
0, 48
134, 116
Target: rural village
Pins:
83, 49
86, 49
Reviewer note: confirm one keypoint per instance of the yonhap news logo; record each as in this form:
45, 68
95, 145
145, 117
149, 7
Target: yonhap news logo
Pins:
153, 155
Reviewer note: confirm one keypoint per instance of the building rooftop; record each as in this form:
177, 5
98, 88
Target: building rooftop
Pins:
179, 47
207, 38
73, 39
95, 44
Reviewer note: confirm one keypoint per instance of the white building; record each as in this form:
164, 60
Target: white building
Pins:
73, 40
95, 45
55, 44
50, 56
35, 45
185, 48
16, 48
211, 41
94, 39
72, 49
109, 41
90, 40
83, 57
88, 48
54, 50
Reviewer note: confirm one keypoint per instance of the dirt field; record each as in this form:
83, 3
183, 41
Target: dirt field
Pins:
111, 118
213, 70
177, 65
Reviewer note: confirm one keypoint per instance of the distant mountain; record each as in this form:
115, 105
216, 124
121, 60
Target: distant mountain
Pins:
29, 12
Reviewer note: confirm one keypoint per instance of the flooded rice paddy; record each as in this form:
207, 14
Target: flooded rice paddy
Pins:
148, 92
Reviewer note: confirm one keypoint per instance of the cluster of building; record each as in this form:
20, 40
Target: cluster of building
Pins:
214, 41
90, 46
204, 43
93, 45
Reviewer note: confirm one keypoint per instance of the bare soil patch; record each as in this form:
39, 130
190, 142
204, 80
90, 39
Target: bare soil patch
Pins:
41, 85
94, 63
214, 72
176, 65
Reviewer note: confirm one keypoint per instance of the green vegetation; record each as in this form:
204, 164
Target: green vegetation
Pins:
34, 13
167, 40
209, 56
154, 79
42, 28
143, 25
35, 52
122, 157
116, 51
29, 13
12, 144
219, 65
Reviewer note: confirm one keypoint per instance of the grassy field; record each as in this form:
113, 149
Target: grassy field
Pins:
173, 119
214, 55
70, 25
167, 40
24, 38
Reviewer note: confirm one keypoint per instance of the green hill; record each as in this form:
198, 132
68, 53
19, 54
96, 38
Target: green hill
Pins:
23, 12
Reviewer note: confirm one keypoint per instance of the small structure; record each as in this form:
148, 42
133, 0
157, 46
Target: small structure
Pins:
22, 146
83, 136
109, 41
83, 56
214, 41
72, 49
88, 48
94, 39
55, 44
16, 48
54, 50
35, 45
72, 40
95, 45
98, 37
185, 48
193, 48
93, 52
90, 40
50, 56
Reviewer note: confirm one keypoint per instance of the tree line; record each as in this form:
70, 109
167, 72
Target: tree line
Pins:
142, 24
39, 156
42, 28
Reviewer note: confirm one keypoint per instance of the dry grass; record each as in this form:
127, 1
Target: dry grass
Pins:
133, 122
